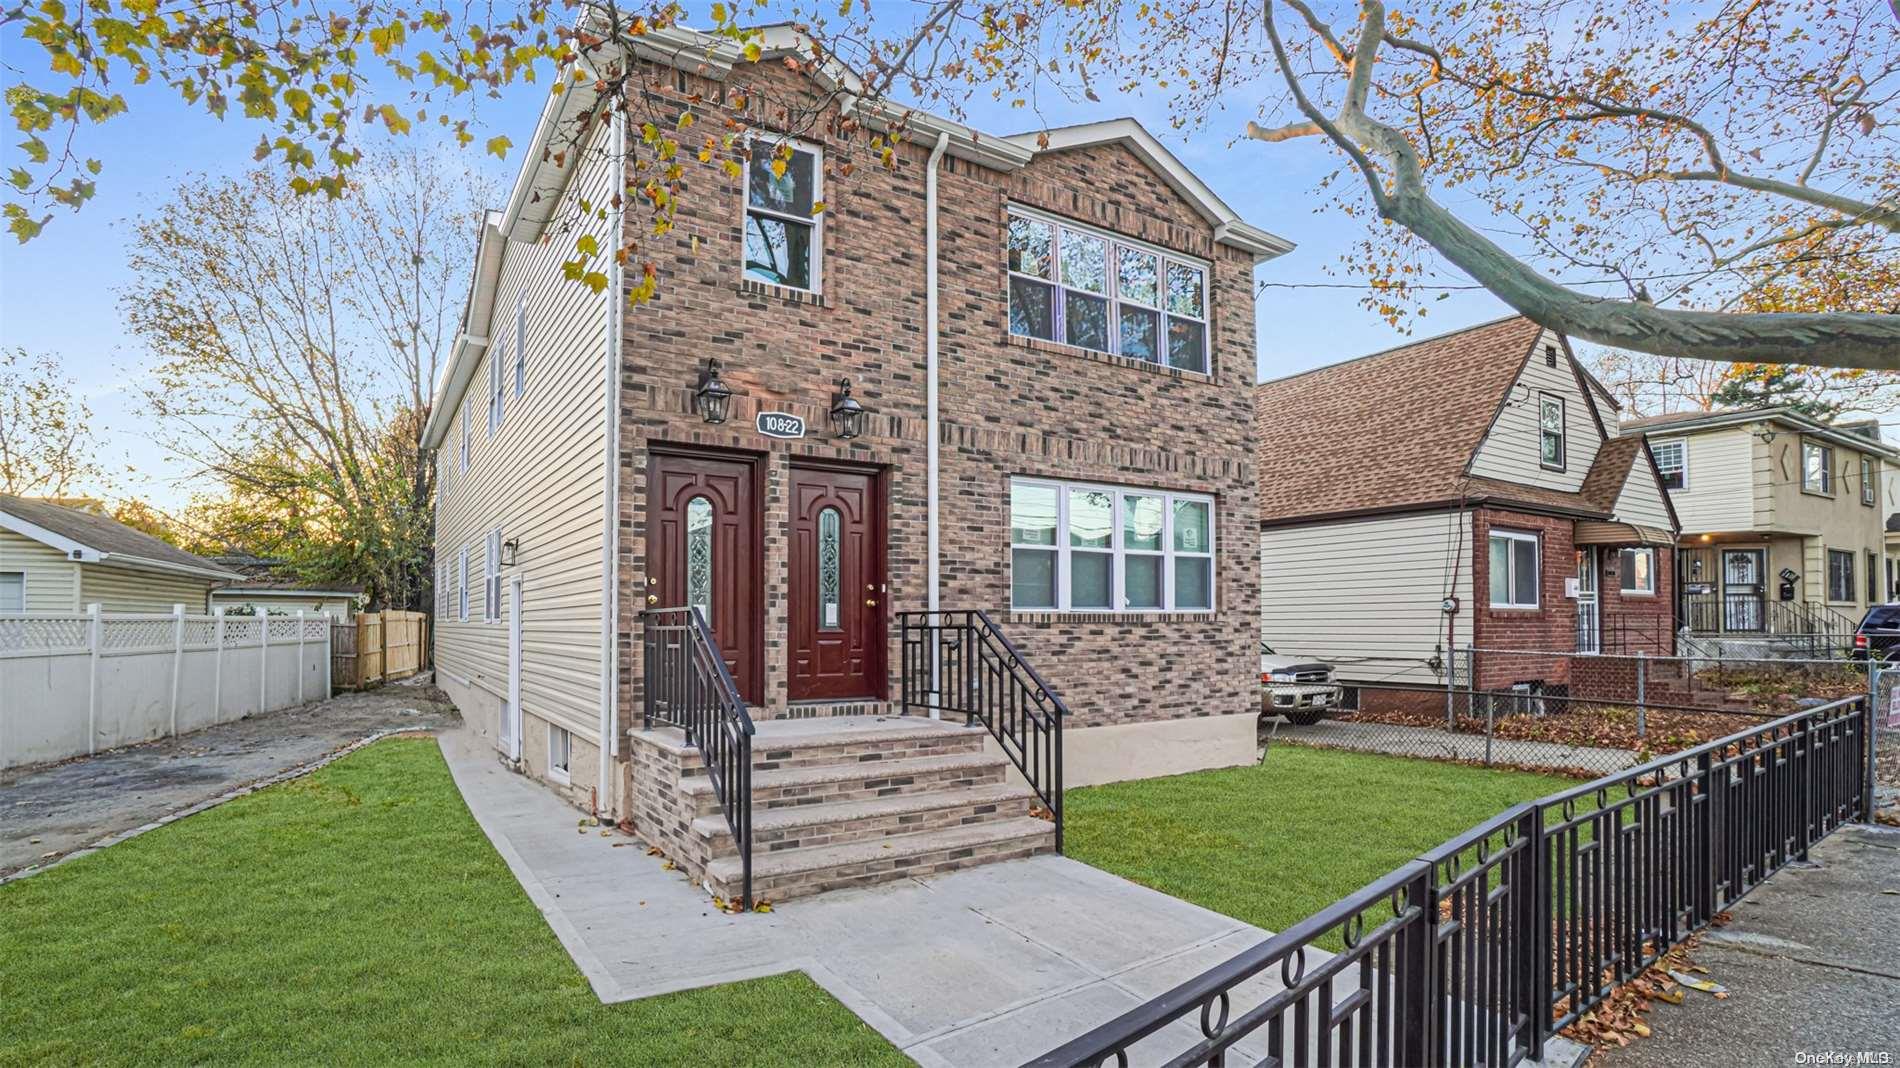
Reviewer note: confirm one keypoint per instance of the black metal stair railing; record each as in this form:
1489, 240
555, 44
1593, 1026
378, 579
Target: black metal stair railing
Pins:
958, 663
687, 685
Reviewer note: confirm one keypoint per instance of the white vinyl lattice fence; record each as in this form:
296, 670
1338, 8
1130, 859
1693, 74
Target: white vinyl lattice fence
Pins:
73, 684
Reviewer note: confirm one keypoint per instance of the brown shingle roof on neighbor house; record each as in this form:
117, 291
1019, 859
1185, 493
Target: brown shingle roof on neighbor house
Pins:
107, 535
1388, 430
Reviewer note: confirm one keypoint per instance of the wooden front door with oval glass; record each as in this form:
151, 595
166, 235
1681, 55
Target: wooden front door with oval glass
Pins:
836, 596
703, 550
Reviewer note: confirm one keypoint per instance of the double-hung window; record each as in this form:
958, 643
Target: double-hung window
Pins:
784, 228
461, 586
1638, 570
1550, 431
1514, 562
1840, 575
497, 362
1817, 468
1093, 290
491, 578
465, 435
12, 591
1867, 480
1672, 459
1089, 548
521, 344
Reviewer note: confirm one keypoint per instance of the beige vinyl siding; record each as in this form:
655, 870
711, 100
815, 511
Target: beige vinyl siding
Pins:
1720, 495
1367, 595
1641, 500
540, 478
124, 589
1510, 448
52, 581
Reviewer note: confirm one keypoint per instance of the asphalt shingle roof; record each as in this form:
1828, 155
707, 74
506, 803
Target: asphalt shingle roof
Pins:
99, 532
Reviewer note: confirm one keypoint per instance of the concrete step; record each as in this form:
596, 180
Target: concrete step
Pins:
807, 826
873, 739
829, 783
797, 872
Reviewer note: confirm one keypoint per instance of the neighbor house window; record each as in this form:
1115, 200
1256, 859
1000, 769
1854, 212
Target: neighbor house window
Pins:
1840, 575
1090, 548
497, 360
491, 578
521, 344
1550, 431
12, 591
1672, 459
1867, 480
1513, 569
1817, 468
783, 228
560, 751
461, 586
1093, 290
1637, 569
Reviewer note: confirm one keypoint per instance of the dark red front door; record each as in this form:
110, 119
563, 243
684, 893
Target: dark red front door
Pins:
703, 549
836, 600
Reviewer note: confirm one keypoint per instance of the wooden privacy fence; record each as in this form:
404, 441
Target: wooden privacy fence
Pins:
379, 647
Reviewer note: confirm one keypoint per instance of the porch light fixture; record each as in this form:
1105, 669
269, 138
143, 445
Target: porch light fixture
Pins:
847, 415
711, 397
510, 549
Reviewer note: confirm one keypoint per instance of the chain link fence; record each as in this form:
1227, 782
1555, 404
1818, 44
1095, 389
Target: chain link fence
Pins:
1884, 686
1574, 714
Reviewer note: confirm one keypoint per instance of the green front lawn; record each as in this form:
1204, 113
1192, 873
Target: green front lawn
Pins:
1273, 844
357, 916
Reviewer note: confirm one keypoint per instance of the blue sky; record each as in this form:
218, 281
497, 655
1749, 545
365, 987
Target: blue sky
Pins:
60, 293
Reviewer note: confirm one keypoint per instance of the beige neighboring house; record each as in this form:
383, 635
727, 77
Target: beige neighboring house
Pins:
262, 597
1783, 519
57, 558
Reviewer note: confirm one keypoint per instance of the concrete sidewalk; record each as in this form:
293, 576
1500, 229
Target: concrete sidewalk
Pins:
1811, 963
989, 966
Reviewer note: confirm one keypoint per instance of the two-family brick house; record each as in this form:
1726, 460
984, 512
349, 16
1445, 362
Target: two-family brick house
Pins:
1464, 491
1007, 374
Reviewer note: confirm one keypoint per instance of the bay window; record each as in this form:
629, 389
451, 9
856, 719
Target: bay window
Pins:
1087, 288
1091, 548
1513, 569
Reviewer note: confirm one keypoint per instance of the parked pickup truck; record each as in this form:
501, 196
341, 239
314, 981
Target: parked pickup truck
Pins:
1301, 690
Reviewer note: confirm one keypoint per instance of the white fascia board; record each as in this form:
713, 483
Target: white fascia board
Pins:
71, 549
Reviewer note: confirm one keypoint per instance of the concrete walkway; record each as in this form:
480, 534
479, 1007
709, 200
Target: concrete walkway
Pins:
1398, 740
989, 966
1811, 963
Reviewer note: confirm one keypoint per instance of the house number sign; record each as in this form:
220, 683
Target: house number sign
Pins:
780, 425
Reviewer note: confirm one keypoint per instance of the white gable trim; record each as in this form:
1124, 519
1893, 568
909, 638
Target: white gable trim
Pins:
71, 549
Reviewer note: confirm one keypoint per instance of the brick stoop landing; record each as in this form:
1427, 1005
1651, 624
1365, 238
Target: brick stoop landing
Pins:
825, 709
838, 801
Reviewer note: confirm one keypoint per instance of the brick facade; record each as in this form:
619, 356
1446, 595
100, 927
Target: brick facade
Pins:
1008, 407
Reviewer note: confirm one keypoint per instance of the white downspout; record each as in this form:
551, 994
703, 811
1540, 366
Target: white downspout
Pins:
930, 393
610, 490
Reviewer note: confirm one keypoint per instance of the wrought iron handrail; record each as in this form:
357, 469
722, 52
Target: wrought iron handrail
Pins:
689, 686
957, 661
1479, 950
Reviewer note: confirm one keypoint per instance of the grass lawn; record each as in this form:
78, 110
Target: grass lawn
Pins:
1273, 844
357, 916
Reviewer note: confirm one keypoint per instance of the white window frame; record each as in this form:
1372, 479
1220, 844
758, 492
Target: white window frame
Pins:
521, 344
560, 754
1681, 445
816, 221
465, 435
1867, 481
1623, 572
491, 577
461, 587
1852, 594
1826, 453
1117, 596
21, 607
497, 386
1058, 303
1544, 399
1510, 560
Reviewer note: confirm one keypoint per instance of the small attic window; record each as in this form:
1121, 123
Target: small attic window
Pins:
1550, 355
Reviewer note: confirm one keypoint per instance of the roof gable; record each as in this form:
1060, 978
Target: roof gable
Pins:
92, 538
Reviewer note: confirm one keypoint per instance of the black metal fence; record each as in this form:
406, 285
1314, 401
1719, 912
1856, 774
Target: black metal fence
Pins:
687, 685
1477, 952
958, 663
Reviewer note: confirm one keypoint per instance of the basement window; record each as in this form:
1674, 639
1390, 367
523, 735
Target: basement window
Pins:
560, 751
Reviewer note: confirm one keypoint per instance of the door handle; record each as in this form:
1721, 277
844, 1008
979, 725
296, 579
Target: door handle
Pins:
653, 598
871, 601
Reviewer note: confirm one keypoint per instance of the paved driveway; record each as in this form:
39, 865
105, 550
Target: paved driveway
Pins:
58, 808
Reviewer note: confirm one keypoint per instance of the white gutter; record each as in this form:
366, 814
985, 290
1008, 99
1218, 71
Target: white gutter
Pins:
931, 447
610, 490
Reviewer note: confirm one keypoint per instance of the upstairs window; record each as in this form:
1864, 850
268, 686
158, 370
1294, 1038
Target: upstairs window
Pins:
521, 344
1672, 459
1089, 548
1550, 431
1867, 480
465, 435
783, 230
497, 360
1817, 468
1513, 569
1093, 290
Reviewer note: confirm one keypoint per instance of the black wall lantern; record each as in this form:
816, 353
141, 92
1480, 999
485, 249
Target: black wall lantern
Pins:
847, 415
712, 398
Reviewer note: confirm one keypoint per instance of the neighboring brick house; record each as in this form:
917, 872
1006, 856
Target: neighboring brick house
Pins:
1086, 372
1462, 491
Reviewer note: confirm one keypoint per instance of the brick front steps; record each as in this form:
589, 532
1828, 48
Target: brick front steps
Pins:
836, 802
